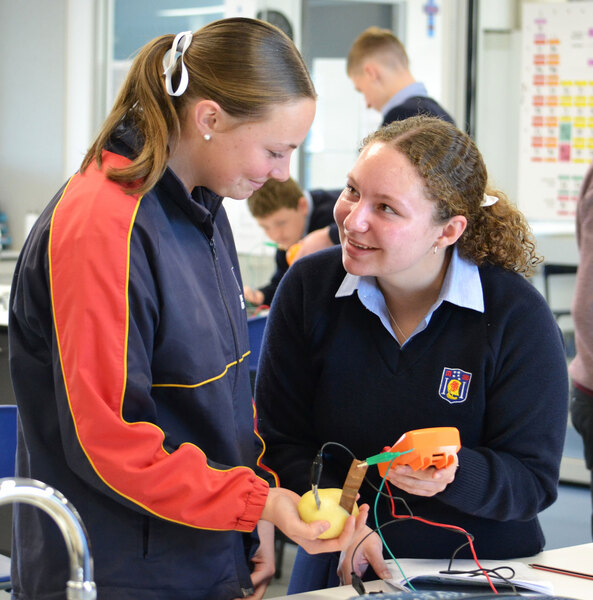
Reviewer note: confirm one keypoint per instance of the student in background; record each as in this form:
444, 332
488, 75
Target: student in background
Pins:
581, 368
286, 213
128, 333
422, 318
378, 67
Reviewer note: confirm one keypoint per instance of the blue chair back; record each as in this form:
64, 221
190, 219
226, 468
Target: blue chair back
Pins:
256, 326
7, 439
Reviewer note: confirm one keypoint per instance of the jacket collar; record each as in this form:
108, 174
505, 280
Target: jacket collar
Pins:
201, 204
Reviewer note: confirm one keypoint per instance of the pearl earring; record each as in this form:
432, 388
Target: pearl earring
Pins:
435, 249
207, 137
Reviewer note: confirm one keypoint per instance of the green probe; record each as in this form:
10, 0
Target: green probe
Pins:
381, 458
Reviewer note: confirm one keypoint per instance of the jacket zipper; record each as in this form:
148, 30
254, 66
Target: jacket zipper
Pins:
222, 294
248, 590
241, 299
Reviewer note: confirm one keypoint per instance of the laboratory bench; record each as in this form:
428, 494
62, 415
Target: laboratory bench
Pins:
574, 558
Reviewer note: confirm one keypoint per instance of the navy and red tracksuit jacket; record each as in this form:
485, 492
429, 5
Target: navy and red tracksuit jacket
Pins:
128, 355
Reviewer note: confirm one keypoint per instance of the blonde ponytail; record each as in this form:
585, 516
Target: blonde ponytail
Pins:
144, 102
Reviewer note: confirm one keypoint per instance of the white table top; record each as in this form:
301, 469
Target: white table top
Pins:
4, 296
574, 558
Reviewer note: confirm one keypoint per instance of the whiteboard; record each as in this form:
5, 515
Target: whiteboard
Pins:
556, 110
332, 148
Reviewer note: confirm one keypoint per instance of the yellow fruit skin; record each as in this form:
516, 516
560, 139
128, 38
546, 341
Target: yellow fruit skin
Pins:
330, 510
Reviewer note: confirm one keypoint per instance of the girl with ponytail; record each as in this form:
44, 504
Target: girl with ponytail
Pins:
128, 332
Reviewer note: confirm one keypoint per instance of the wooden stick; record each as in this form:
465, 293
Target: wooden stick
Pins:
352, 485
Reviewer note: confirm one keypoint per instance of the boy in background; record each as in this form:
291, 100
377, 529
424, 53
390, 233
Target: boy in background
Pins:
286, 213
378, 66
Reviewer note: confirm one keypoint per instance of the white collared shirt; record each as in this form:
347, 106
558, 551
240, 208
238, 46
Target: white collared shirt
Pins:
462, 286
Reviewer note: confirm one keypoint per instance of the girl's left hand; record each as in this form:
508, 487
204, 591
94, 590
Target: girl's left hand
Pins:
264, 563
427, 483
370, 552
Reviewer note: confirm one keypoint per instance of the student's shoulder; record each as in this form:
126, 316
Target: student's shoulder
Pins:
319, 270
509, 292
329, 259
414, 106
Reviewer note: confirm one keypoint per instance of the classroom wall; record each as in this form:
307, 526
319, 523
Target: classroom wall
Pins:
497, 116
32, 93
48, 72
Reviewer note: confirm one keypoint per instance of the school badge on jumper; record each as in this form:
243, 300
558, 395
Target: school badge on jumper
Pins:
454, 385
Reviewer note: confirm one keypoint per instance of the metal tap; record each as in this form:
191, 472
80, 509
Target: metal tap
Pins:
81, 585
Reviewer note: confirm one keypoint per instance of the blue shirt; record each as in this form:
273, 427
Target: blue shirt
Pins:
462, 287
414, 89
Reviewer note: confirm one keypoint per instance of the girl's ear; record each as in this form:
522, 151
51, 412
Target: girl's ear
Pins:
452, 231
207, 116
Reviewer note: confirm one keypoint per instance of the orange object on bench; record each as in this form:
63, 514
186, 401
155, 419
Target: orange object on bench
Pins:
291, 252
430, 447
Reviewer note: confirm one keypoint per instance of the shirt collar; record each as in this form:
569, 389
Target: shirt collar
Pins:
462, 286
414, 89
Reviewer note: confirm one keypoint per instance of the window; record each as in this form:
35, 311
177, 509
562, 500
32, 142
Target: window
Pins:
136, 22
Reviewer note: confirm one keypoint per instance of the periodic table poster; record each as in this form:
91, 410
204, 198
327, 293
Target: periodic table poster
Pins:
556, 113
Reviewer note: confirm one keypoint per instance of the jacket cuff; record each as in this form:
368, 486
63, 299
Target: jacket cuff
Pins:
254, 506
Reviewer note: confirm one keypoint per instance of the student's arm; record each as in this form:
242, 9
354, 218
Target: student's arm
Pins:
269, 290
255, 297
324, 232
582, 312
318, 240
285, 390
512, 474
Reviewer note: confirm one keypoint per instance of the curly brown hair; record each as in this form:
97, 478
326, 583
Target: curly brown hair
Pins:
455, 179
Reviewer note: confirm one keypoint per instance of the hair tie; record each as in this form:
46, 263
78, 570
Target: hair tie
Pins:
170, 62
488, 200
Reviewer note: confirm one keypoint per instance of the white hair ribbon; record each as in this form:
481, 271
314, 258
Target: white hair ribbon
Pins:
170, 61
488, 200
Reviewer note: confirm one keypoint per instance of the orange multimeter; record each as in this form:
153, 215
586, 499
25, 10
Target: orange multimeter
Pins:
423, 448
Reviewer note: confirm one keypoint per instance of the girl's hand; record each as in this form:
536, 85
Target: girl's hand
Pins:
264, 561
281, 509
427, 483
370, 552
